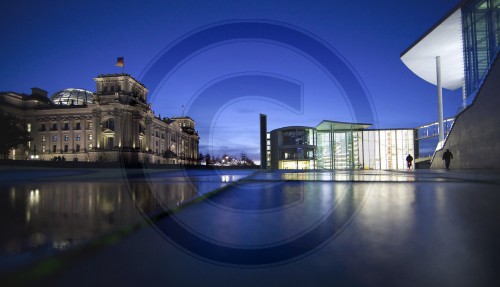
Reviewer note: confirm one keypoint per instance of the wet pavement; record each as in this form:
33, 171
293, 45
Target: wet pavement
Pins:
343, 228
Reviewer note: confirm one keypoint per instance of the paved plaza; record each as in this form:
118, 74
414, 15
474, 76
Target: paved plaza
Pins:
296, 228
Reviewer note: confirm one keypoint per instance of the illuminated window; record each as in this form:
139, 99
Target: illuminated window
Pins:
66, 138
43, 148
90, 146
89, 125
90, 137
42, 138
28, 127
54, 138
77, 138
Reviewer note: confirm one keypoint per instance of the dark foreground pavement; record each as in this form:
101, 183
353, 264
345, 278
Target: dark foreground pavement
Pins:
360, 228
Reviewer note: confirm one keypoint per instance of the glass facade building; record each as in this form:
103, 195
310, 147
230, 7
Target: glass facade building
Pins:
481, 39
387, 149
293, 148
339, 146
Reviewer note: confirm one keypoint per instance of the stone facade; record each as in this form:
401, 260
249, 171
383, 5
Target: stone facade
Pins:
115, 122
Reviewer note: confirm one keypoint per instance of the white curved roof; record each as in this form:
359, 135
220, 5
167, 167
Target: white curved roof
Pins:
444, 40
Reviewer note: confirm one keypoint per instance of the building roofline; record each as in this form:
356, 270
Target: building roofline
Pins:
347, 125
293, 127
340, 122
181, 117
439, 22
119, 75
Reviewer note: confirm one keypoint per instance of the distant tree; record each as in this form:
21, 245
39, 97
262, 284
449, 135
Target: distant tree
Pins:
245, 160
208, 159
200, 158
15, 133
243, 156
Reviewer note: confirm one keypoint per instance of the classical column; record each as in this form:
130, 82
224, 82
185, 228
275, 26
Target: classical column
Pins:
71, 134
440, 100
83, 132
96, 122
135, 130
59, 134
118, 127
147, 135
125, 129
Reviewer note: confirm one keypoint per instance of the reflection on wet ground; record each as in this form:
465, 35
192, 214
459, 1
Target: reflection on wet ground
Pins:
57, 209
378, 176
281, 228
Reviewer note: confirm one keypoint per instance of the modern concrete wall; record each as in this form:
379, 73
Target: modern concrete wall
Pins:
475, 138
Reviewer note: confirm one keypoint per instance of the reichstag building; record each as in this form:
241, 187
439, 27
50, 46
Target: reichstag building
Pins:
114, 123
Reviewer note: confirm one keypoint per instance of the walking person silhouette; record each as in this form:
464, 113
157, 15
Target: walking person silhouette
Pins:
447, 156
409, 159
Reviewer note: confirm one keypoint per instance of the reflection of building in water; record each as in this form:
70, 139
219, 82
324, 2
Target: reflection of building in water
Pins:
339, 145
115, 120
61, 214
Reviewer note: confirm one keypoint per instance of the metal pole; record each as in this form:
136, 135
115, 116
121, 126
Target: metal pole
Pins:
332, 165
440, 100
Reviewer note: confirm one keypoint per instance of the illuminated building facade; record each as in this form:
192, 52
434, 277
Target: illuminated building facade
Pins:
338, 145
114, 123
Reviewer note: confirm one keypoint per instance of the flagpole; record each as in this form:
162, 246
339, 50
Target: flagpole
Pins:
120, 62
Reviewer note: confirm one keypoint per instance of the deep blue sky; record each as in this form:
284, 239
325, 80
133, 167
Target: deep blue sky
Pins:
64, 44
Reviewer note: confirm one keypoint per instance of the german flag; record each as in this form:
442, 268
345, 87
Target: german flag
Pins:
119, 62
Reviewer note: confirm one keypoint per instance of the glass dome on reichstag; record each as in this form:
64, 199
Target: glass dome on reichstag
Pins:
69, 97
